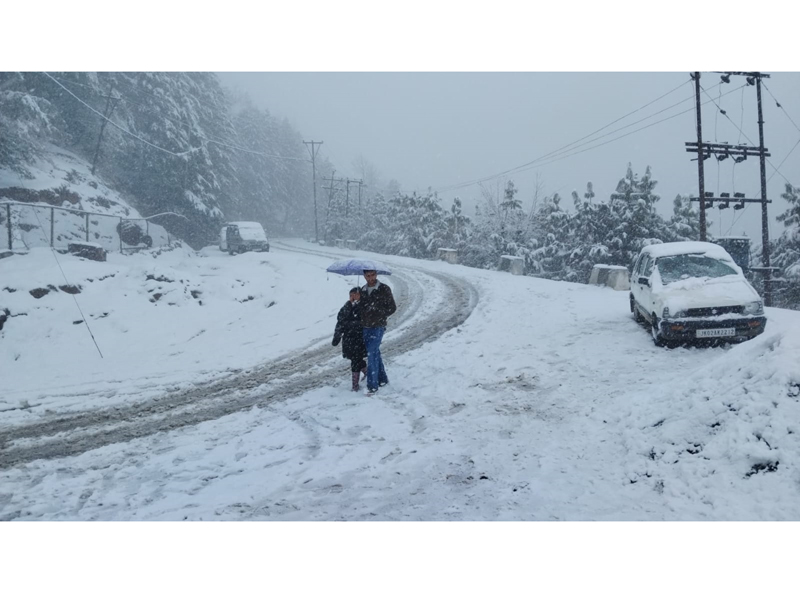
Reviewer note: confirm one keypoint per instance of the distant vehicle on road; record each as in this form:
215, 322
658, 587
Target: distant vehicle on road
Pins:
238, 237
694, 291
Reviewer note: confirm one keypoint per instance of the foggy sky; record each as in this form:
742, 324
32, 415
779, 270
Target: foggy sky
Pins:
440, 129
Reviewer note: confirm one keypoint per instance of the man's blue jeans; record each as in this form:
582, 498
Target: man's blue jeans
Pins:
376, 373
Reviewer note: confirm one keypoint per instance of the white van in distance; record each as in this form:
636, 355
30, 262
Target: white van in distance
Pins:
238, 237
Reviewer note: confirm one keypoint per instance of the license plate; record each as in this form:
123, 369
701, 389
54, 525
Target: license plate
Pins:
716, 333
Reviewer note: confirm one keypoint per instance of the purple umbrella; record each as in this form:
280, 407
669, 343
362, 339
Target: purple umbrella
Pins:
356, 267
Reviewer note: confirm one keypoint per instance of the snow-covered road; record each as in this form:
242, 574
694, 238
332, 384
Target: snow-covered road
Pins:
289, 375
511, 398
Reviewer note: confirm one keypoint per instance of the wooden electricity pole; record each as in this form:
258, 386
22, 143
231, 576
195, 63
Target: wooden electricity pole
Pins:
106, 114
739, 153
314, 150
700, 158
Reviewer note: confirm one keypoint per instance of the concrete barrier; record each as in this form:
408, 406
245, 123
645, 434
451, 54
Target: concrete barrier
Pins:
513, 264
616, 277
448, 255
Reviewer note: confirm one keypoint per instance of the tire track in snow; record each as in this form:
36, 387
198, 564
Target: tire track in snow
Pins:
287, 376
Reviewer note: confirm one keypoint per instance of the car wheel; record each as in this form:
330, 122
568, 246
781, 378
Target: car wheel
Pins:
658, 340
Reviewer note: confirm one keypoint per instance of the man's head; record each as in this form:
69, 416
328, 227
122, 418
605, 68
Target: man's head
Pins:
371, 276
355, 295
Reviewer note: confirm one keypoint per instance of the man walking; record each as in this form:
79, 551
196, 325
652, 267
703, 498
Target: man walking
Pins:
377, 303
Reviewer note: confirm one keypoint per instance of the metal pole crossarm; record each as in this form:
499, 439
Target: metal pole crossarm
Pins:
726, 200
753, 74
728, 149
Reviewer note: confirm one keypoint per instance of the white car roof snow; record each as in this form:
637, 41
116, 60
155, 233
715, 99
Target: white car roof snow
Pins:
682, 247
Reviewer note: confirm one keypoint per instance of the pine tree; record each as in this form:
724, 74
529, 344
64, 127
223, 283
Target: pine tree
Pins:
685, 221
553, 225
635, 222
786, 252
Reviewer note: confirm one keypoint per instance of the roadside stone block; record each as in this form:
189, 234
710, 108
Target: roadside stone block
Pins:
616, 277
91, 251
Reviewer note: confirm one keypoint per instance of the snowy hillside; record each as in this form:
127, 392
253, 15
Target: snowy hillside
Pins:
219, 396
58, 177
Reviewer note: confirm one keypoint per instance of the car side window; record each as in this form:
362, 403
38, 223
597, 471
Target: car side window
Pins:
636, 265
648, 267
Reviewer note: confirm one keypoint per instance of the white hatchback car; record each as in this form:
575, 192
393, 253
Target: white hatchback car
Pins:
692, 290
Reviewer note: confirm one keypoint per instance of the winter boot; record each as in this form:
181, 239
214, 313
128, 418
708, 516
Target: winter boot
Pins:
356, 376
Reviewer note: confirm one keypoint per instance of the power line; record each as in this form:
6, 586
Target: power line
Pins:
573, 153
745, 135
58, 263
184, 124
777, 103
115, 125
565, 147
136, 89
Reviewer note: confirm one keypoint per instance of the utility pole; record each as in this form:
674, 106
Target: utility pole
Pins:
331, 192
314, 150
764, 219
739, 154
106, 114
700, 158
754, 78
347, 200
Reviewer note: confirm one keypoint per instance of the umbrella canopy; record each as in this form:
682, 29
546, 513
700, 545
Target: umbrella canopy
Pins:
356, 267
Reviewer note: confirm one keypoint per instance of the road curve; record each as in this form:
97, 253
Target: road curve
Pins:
289, 375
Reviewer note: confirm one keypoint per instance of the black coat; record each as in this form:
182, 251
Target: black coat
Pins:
349, 332
376, 307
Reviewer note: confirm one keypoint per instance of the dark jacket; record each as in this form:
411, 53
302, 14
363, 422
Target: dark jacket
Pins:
375, 308
349, 332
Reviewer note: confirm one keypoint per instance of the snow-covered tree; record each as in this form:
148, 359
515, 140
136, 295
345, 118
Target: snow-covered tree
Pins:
786, 252
685, 221
633, 217
553, 227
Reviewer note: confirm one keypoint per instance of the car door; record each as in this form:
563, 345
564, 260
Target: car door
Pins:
635, 275
645, 285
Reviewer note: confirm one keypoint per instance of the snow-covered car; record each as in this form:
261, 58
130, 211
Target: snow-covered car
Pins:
238, 237
693, 290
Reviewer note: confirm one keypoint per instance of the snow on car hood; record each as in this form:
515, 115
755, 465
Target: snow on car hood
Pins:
693, 293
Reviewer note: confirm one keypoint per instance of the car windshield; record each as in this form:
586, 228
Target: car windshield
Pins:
691, 265
249, 233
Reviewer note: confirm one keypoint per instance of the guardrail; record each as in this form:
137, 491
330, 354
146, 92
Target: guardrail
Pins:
111, 230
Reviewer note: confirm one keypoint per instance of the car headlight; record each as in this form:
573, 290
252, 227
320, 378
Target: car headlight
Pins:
754, 308
666, 314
